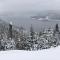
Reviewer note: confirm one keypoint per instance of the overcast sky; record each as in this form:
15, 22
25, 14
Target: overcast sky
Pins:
28, 5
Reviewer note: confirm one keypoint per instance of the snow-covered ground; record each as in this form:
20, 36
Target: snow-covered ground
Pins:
47, 54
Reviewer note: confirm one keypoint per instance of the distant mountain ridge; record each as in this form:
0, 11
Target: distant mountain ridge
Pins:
55, 15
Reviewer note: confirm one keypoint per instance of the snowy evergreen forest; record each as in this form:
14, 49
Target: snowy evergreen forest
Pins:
21, 39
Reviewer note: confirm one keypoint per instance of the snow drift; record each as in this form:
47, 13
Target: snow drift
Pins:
49, 54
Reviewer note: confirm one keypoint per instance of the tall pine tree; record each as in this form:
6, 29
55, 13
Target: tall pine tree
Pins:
10, 30
57, 28
32, 32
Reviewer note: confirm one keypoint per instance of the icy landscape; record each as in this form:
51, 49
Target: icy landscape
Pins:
29, 30
29, 25
50, 54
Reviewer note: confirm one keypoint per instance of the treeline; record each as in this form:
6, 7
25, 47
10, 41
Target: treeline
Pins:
13, 39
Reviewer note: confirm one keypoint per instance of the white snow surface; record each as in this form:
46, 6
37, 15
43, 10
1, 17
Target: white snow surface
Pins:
47, 54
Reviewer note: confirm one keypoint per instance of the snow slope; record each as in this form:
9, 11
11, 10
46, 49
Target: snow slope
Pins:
49, 54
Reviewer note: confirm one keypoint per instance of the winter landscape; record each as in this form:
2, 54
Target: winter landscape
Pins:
18, 38
49, 54
29, 29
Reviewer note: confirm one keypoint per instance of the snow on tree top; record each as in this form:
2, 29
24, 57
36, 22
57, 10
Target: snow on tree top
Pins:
11, 22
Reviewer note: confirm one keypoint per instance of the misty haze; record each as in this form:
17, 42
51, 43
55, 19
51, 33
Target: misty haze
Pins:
29, 24
20, 11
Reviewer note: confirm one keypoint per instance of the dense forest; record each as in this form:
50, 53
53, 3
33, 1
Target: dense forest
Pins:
18, 38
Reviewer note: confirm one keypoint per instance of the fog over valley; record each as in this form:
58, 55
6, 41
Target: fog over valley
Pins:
20, 12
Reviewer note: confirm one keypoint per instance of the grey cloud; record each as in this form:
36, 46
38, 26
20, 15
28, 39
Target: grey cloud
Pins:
25, 5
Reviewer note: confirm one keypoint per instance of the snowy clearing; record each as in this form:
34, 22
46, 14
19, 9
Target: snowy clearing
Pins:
47, 54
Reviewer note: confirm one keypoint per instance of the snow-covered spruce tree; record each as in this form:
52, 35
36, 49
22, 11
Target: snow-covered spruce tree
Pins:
10, 44
57, 34
32, 32
7, 44
10, 30
57, 28
32, 37
40, 33
22, 41
16, 37
47, 39
7, 41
